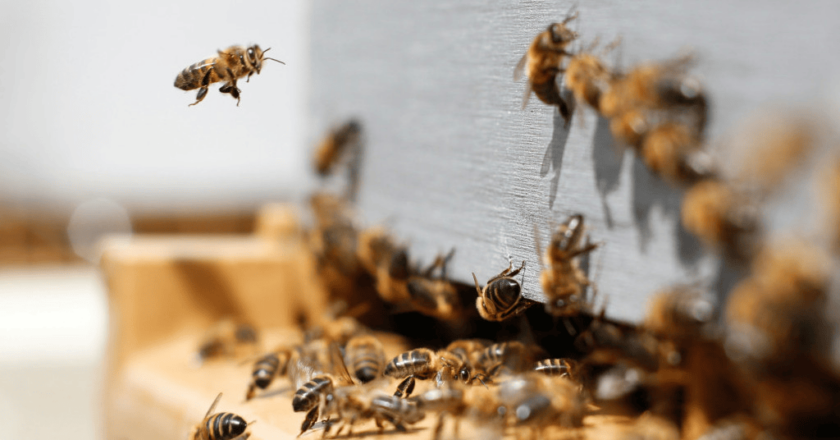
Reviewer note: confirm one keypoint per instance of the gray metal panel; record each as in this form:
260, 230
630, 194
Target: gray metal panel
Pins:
451, 160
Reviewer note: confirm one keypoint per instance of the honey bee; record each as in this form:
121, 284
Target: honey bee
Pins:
543, 62
538, 402
423, 364
477, 403
266, 368
330, 151
365, 357
563, 282
392, 277
468, 351
435, 296
220, 426
566, 368
375, 249
587, 77
227, 339
679, 313
315, 382
671, 151
721, 217
501, 298
348, 405
512, 356
232, 64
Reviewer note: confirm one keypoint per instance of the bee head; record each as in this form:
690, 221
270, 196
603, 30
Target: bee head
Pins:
560, 34
257, 55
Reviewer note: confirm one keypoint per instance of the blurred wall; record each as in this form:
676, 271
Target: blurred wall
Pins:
88, 108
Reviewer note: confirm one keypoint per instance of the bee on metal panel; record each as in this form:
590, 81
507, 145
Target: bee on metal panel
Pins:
434, 295
543, 62
424, 364
501, 298
230, 65
220, 426
365, 358
315, 381
587, 76
330, 151
564, 284
266, 369
227, 338
722, 217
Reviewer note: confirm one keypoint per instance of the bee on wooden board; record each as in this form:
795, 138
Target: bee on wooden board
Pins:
221, 426
375, 248
423, 364
227, 338
232, 64
365, 358
564, 284
330, 151
536, 401
501, 298
266, 369
477, 403
315, 381
543, 62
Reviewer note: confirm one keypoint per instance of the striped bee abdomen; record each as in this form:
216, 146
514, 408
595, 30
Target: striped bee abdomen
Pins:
365, 357
415, 362
193, 76
264, 370
308, 395
499, 353
224, 426
504, 293
557, 367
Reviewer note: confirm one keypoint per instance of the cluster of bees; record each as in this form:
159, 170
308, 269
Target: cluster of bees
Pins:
759, 368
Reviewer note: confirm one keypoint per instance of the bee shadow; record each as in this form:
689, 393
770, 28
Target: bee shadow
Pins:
607, 158
553, 159
209, 291
650, 191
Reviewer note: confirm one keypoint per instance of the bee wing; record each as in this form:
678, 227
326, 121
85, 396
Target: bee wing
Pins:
527, 95
540, 255
301, 371
338, 366
213, 406
519, 70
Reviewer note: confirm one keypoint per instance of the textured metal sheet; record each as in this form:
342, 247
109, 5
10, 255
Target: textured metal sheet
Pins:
451, 160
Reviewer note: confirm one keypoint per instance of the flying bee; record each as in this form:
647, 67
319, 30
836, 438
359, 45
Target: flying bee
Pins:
564, 283
566, 368
344, 138
227, 338
587, 77
423, 364
220, 426
232, 64
266, 368
435, 296
365, 357
315, 381
543, 62
722, 217
501, 298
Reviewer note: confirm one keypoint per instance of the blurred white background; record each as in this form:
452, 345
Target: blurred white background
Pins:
89, 108
88, 111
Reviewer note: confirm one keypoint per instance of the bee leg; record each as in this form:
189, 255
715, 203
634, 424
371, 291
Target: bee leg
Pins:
252, 390
405, 387
202, 92
234, 91
310, 419
439, 426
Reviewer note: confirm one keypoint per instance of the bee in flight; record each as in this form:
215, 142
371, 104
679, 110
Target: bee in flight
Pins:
232, 64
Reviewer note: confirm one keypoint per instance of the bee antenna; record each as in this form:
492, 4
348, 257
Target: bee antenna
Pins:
252, 422
272, 59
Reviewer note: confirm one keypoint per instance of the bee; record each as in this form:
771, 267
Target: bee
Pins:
349, 405
679, 313
512, 356
423, 364
477, 403
227, 339
543, 62
467, 351
365, 357
537, 402
501, 298
722, 217
341, 139
587, 77
671, 151
266, 368
220, 426
315, 382
375, 249
566, 368
232, 64
392, 277
435, 296
397, 411
563, 282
